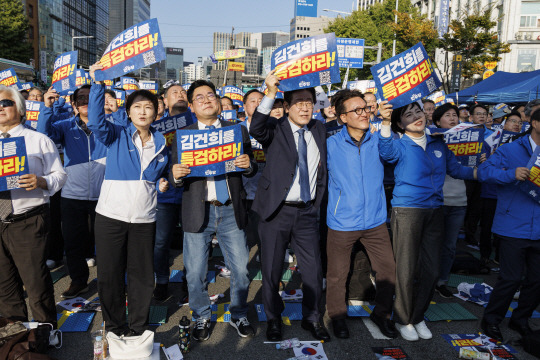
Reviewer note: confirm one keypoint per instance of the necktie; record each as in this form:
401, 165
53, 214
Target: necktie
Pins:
222, 193
305, 191
6, 207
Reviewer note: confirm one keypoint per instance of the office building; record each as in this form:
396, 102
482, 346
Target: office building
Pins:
171, 68
126, 13
303, 26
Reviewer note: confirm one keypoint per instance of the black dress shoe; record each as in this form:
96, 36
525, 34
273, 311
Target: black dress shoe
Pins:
492, 331
273, 330
386, 326
340, 328
316, 329
522, 329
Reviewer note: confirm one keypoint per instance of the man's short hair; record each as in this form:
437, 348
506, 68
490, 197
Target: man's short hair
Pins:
476, 106
287, 95
35, 88
530, 105
425, 101
110, 92
251, 92
228, 98
167, 89
345, 95
76, 93
197, 84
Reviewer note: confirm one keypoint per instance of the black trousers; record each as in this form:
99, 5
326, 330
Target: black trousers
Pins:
23, 250
299, 226
122, 247
486, 222
78, 218
518, 257
55, 241
474, 209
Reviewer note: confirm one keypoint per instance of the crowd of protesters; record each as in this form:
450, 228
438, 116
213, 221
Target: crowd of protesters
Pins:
326, 189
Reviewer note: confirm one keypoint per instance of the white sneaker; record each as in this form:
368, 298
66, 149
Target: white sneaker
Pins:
258, 259
51, 264
288, 257
408, 332
516, 295
323, 284
423, 331
91, 262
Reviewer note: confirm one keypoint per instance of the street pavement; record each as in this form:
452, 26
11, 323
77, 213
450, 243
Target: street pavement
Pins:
225, 344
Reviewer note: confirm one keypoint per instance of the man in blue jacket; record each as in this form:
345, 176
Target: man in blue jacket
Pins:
357, 212
517, 226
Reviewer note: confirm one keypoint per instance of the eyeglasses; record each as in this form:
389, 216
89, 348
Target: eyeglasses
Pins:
304, 104
514, 121
480, 114
359, 111
7, 103
200, 98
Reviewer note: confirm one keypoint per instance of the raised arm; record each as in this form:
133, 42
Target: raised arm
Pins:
456, 170
259, 128
388, 149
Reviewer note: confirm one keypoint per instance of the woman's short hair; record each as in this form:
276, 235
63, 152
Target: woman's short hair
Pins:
18, 98
145, 94
441, 110
396, 117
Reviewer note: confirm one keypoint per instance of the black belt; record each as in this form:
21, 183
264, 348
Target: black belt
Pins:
298, 204
32, 212
217, 203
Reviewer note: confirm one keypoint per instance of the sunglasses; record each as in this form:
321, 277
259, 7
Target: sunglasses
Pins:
7, 103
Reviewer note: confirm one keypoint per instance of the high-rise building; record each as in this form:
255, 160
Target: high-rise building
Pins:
366, 4
126, 13
85, 18
171, 68
303, 26
31, 11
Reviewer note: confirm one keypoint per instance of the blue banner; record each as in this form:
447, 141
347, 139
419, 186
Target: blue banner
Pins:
168, 125
406, 77
444, 17
525, 126
210, 152
186, 86
532, 185
229, 115
465, 144
307, 63
350, 53
83, 78
479, 342
32, 112
9, 78
151, 86
129, 83
120, 98
438, 97
137, 47
64, 76
306, 8
235, 93
27, 85
13, 162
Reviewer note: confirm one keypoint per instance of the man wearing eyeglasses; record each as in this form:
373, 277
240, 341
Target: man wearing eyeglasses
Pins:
214, 205
288, 198
357, 212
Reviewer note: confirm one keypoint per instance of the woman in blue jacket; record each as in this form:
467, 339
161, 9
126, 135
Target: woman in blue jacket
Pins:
417, 221
126, 211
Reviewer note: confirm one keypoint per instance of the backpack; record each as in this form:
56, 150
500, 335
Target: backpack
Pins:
17, 343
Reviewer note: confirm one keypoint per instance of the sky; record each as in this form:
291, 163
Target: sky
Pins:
190, 24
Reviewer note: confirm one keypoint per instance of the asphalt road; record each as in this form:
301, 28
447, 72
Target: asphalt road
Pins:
225, 344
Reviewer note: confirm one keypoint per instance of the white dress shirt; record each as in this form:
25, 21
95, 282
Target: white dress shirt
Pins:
313, 159
43, 160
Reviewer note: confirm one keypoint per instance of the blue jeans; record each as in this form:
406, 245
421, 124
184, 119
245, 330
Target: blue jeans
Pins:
232, 241
168, 216
453, 220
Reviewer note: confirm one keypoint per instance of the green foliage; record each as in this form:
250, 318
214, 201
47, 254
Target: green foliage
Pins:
14, 26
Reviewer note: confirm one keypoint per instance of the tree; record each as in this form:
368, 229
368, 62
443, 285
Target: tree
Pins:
14, 26
377, 25
472, 36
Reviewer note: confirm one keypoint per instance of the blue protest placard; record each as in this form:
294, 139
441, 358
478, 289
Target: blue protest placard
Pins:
129, 83
531, 186
525, 126
465, 144
120, 98
479, 342
9, 78
32, 112
229, 115
233, 92
210, 152
83, 78
168, 125
64, 75
151, 86
258, 153
307, 62
437, 97
406, 77
186, 86
27, 85
134, 48
108, 84
13, 162
350, 52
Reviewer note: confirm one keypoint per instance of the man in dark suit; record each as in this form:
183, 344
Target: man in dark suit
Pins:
288, 197
214, 205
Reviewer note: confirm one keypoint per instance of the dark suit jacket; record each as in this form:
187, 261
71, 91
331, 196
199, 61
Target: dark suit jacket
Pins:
279, 147
193, 199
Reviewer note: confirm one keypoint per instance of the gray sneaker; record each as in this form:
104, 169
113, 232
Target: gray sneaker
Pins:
201, 331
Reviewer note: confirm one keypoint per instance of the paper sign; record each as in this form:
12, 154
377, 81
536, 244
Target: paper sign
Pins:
236, 66
307, 63
229, 54
321, 100
466, 144
312, 349
151, 86
129, 83
168, 126
364, 86
139, 46
173, 352
406, 77
210, 152
9, 78
32, 112
108, 84
258, 153
120, 98
229, 115
350, 53
532, 185
394, 352
13, 162
437, 97
27, 85
64, 75
83, 78
233, 92
479, 342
